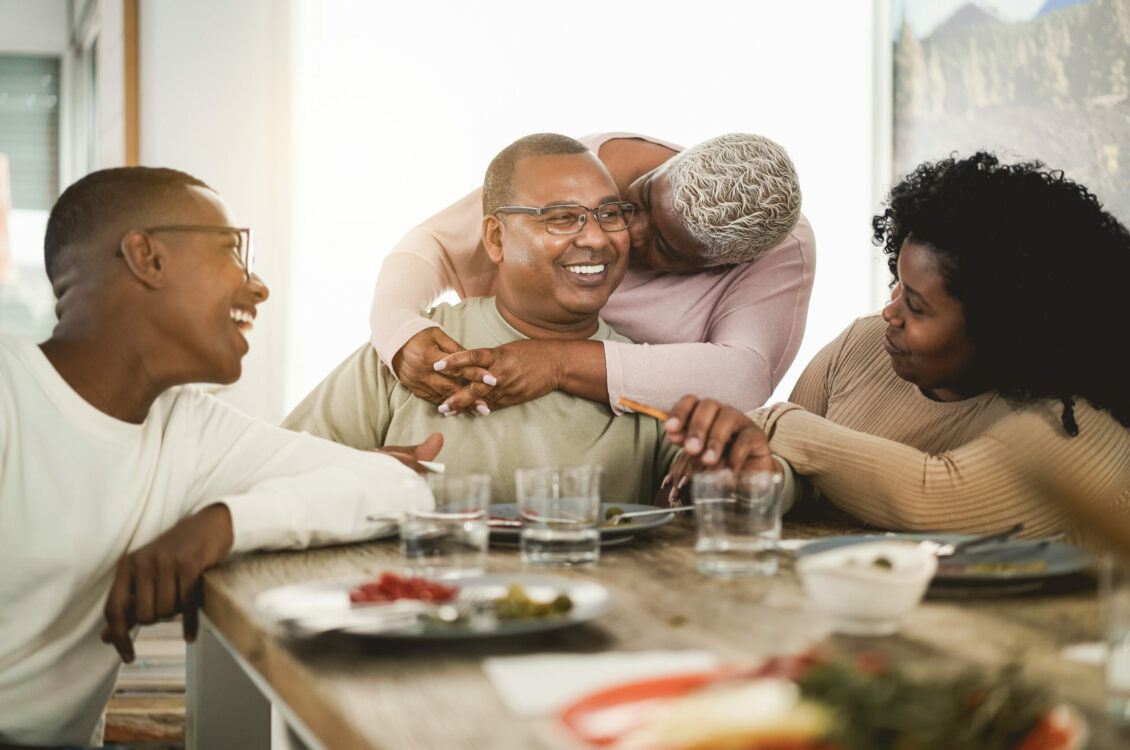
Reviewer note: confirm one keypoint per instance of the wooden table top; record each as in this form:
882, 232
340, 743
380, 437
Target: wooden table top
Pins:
361, 694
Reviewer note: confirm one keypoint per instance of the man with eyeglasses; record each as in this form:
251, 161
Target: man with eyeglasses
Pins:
118, 488
555, 228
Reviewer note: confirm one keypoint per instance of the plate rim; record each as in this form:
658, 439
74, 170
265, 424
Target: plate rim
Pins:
1084, 558
603, 605
614, 532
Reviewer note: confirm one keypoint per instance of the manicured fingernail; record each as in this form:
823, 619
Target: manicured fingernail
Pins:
444, 408
673, 498
693, 445
490, 379
450, 414
666, 481
482, 409
709, 456
682, 483
441, 365
672, 423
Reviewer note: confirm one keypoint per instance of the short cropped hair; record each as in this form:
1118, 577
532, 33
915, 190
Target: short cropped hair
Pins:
1039, 267
498, 184
103, 198
738, 194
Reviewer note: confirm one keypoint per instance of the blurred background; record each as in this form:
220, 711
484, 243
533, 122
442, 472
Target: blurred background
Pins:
334, 126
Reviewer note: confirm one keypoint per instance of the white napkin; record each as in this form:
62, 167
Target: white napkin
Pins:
538, 685
1092, 654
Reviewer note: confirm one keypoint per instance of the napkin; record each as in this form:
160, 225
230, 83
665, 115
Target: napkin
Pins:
540, 684
1092, 654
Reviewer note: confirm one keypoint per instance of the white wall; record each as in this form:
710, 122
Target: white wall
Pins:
34, 27
400, 106
214, 102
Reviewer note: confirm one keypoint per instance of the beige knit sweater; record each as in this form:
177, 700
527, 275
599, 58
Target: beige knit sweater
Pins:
878, 448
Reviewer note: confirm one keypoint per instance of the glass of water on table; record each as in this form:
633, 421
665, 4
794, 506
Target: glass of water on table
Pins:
738, 516
447, 539
560, 512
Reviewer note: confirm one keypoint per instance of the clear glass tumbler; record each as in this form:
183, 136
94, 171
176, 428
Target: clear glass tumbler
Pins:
738, 516
1114, 593
448, 539
560, 511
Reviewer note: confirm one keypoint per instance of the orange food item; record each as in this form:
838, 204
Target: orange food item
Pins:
1046, 735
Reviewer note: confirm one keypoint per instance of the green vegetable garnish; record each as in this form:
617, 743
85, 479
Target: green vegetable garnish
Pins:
613, 510
517, 605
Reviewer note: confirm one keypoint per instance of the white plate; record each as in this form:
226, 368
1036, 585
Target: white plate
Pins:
590, 600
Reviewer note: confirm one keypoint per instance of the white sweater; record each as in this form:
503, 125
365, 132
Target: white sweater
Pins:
79, 489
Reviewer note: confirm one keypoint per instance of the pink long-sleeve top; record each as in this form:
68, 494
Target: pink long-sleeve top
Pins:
729, 333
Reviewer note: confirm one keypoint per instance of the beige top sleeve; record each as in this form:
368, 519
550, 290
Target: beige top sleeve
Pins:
1013, 472
440, 254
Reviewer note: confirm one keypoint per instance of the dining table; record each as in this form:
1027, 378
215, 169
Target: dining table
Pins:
250, 686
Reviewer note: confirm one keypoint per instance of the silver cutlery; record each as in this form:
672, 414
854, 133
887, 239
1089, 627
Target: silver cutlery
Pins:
618, 517
370, 619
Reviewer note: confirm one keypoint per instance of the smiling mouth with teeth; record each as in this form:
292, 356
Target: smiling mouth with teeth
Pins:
586, 269
244, 319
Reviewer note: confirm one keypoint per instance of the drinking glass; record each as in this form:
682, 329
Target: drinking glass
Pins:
738, 516
1114, 591
560, 512
447, 539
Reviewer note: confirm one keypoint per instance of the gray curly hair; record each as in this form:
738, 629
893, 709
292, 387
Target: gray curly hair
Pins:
738, 194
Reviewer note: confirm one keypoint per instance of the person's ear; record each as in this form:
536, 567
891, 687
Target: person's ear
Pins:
492, 237
144, 258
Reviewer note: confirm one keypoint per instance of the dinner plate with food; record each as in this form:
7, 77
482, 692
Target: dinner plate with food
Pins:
820, 702
396, 606
620, 521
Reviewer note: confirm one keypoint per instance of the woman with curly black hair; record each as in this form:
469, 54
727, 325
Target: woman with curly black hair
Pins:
991, 388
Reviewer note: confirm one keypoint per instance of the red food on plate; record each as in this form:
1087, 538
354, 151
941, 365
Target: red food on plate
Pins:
390, 587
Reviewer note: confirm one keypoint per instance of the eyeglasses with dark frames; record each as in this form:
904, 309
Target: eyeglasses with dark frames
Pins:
244, 250
569, 218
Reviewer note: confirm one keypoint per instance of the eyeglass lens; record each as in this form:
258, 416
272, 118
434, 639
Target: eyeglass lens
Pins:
612, 217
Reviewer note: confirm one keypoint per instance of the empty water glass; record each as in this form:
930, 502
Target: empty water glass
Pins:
1114, 593
738, 516
447, 539
560, 512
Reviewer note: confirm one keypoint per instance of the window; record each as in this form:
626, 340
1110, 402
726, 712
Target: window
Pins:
29, 185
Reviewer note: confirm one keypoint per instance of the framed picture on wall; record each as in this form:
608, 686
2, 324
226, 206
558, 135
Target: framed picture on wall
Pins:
1027, 79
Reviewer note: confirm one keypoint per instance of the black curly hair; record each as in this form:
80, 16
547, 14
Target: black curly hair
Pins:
1039, 268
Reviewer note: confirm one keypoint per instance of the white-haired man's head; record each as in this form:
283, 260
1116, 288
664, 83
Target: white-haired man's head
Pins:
738, 194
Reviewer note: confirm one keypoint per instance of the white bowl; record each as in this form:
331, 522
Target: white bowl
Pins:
862, 595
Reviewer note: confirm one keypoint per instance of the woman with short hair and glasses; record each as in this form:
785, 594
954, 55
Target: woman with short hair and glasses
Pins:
716, 295
990, 389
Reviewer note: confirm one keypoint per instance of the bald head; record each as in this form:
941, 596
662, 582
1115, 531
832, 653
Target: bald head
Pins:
498, 184
102, 206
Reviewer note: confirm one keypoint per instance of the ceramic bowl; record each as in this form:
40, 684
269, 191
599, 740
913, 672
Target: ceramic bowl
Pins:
866, 589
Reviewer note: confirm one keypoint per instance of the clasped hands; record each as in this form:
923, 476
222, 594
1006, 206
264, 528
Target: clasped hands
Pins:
438, 369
